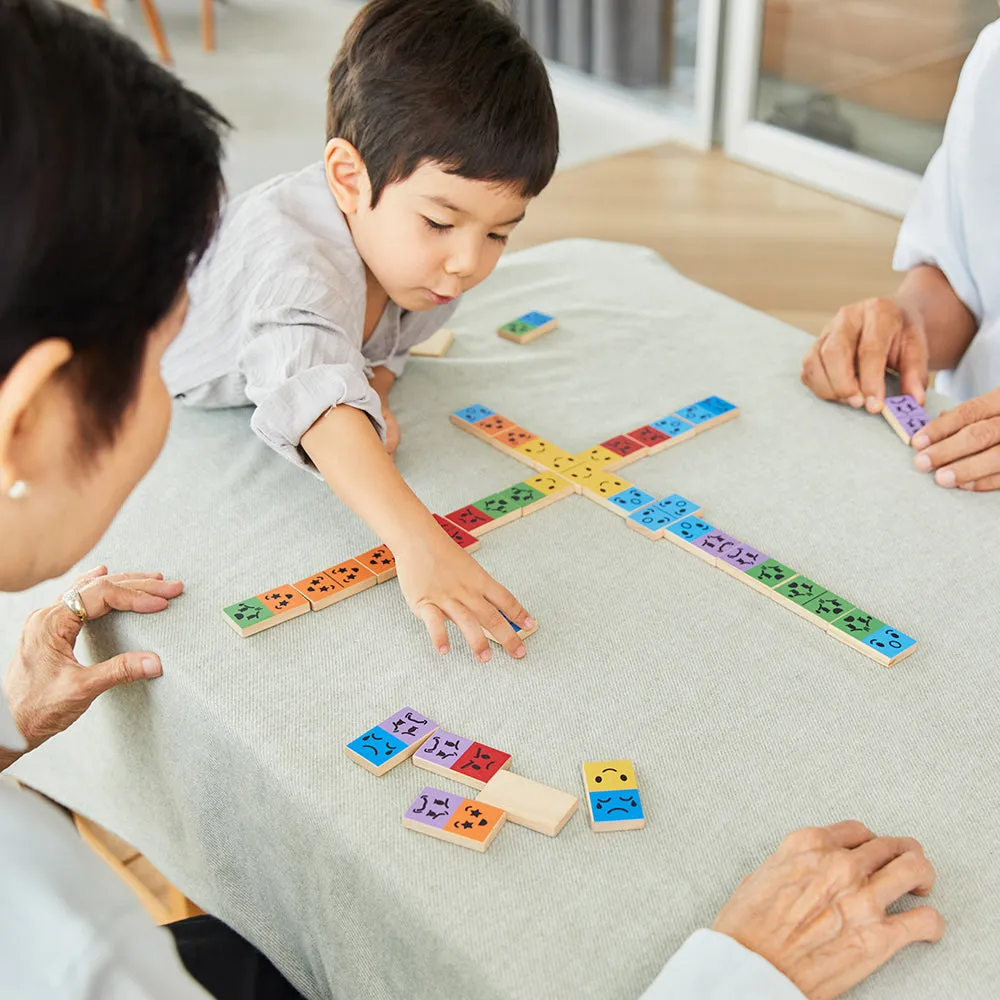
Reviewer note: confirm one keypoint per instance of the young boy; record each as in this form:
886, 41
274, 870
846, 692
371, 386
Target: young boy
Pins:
441, 128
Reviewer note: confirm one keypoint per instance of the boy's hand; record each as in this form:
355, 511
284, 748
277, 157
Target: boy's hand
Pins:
847, 362
439, 580
392, 433
963, 444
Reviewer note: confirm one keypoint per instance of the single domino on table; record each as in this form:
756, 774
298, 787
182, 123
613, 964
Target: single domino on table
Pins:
867, 634
905, 416
522, 632
437, 345
461, 759
454, 819
528, 327
273, 607
392, 741
613, 796
529, 803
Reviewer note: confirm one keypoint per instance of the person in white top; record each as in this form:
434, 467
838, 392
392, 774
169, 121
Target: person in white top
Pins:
93, 267
945, 315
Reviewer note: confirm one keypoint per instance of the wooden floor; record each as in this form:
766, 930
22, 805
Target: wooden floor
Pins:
782, 248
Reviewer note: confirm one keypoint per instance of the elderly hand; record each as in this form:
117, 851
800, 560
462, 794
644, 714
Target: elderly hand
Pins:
963, 445
848, 360
47, 687
816, 908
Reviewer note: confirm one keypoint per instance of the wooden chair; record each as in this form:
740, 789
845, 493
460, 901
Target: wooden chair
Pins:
155, 25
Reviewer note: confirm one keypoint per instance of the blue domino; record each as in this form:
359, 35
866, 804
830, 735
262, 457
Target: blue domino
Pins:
473, 414
716, 405
675, 506
536, 318
377, 745
690, 528
695, 413
673, 426
612, 807
890, 641
650, 517
632, 498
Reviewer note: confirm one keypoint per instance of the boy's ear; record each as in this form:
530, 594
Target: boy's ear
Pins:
346, 174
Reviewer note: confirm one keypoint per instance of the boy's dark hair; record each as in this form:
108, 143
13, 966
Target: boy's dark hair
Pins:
109, 194
450, 81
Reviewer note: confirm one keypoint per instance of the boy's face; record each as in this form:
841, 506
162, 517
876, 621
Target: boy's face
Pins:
434, 235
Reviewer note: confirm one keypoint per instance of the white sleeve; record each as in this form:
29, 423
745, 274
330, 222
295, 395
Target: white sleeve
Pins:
296, 367
713, 966
934, 230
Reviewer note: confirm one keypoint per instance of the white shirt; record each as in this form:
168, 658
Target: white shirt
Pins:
954, 223
69, 927
277, 316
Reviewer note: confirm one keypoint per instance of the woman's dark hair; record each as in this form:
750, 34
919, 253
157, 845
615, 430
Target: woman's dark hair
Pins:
110, 186
450, 81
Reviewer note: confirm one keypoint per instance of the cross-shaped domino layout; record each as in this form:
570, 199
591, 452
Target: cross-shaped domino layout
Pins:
592, 473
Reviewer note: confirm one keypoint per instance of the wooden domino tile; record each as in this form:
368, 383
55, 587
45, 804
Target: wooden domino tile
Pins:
626, 449
650, 438
461, 759
796, 593
469, 417
454, 819
320, 590
564, 463
500, 507
489, 427
392, 741
458, 535
522, 496
696, 415
854, 628
653, 519
437, 345
720, 409
602, 486
473, 520
552, 487
522, 632
629, 500
613, 801
601, 457
352, 577
888, 646
905, 416
508, 441
379, 561
273, 607
541, 455
580, 474
529, 803
675, 428
528, 327
767, 575
685, 532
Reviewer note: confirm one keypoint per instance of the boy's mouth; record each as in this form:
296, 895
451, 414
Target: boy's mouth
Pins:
439, 300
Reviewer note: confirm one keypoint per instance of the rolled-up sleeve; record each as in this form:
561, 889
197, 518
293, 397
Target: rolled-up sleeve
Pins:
713, 966
296, 367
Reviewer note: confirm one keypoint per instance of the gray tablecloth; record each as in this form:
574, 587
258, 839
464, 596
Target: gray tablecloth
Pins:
743, 720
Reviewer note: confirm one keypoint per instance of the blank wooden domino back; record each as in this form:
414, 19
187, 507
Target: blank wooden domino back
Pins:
392, 741
613, 801
529, 803
454, 819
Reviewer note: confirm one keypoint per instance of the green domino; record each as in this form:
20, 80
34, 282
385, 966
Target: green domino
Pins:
772, 573
800, 590
858, 624
829, 607
517, 327
496, 504
522, 495
248, 613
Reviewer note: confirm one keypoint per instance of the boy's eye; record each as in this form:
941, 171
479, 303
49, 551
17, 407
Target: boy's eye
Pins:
499, 237
438, 227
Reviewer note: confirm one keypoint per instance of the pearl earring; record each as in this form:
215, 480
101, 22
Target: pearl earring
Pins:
18, 490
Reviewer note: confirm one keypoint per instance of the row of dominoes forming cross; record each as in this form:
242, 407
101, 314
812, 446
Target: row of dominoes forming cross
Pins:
612, 794
677, 519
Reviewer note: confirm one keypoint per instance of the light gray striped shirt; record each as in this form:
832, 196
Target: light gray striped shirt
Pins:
277, 316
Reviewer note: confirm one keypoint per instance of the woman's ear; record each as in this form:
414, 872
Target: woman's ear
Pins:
20, 399
346, 174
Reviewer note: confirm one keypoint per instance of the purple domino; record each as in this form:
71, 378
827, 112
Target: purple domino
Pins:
444, 749
713, 541
740, 555
908, 412
408, 725
433, 807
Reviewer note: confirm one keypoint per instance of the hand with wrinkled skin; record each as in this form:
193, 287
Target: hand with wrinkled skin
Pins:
963, 445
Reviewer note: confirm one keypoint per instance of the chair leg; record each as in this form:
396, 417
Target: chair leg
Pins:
156, 29
207, 25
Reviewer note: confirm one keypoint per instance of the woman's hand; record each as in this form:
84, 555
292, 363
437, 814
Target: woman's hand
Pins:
439, 580
47, 687
816, 909
963, 445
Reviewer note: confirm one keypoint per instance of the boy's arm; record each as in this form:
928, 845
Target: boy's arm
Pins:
381, 381
439, 580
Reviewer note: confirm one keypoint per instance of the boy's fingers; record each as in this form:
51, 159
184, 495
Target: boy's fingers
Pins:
433, 620
507, 604
499, 627
470, 629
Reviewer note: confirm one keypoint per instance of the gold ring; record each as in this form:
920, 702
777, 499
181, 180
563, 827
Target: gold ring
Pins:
74, 602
